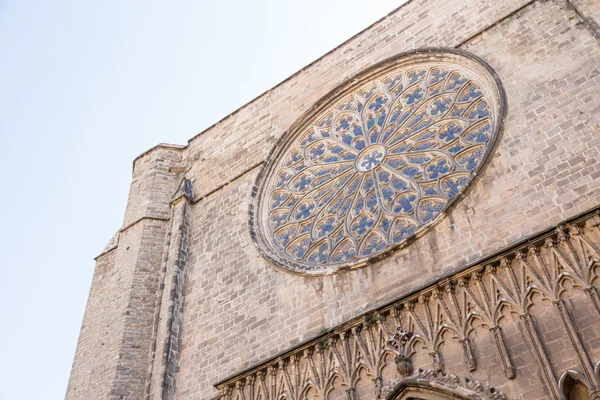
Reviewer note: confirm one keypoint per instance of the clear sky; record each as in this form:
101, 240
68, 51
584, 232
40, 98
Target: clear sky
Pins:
86, 86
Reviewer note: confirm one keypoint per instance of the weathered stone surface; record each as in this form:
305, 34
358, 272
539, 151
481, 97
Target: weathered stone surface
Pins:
184, 300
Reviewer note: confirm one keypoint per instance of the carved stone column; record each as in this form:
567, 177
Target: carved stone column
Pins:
507, 366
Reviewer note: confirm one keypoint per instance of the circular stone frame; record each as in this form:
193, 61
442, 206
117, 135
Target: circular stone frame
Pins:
461, 59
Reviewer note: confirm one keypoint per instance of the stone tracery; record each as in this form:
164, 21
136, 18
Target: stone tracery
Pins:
376, 164
430, 337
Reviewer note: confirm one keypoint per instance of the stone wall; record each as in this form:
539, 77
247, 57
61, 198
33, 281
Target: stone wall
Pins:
221, 308
516, 324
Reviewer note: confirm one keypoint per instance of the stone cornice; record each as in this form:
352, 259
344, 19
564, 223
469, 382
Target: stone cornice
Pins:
580, 232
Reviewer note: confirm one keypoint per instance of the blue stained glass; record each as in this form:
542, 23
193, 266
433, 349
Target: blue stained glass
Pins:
344, 124
480, 111
278, 199
417, 119
456, 148
438, 169
326, 227
363, 224
304, 211
378, 104
391, 164
437, 75
324, 171
456, 81
368, 183
424, 146
372, 160
415, 76
384, 176
372, 202
278, 220
390, 130
418, 160
414, 96
370, 122
396, 163
396, 115
430, 191
346, 206
385, 224
405, 204
388, 194
284, 238
359, 204
454, 186
401, 150
411, 171
450, 132
440, 106
429, 210
317, 151
399, 185
480, 135
302, 183
471, 161
284, 178
403, 230
320, 254
473, 92
360, 145
374, 245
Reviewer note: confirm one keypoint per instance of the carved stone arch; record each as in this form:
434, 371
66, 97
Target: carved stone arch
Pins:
305, 390
467, 326
496, 315
564, 276
360, 366
526, 301
574, 385
434, 386
382, 364
416, 338
440, 332
329, 385
591, 274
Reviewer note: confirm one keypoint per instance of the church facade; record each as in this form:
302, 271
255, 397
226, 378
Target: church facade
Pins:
414, 215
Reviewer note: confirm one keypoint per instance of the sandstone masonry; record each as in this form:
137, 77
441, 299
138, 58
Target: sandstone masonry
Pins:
182, 301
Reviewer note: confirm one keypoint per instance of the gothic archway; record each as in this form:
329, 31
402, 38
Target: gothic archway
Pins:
429, 385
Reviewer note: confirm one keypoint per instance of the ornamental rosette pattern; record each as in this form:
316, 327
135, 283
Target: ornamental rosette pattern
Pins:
376, 162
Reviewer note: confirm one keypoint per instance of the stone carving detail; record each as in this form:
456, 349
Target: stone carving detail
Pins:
410, 338
377, 162
398, 342
444, 383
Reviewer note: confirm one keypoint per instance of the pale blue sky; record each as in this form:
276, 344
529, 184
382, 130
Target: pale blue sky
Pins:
86, 86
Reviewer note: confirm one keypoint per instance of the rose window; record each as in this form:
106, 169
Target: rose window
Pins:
377, 162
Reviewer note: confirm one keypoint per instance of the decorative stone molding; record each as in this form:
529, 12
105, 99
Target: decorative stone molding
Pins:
554, 265
425, 381
377, 162
398, 342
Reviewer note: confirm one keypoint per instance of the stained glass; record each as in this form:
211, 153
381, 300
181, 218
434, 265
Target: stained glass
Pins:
377, 164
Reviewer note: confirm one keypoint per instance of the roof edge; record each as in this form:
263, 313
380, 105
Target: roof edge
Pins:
300, 70
160, 146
